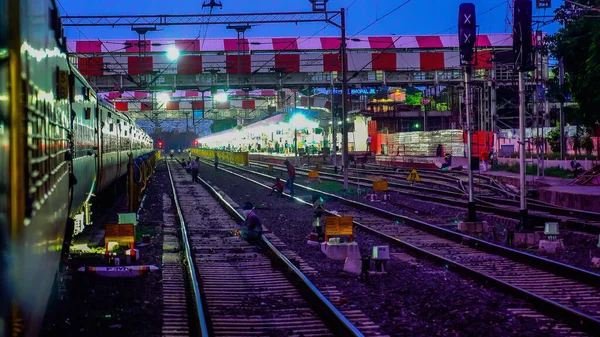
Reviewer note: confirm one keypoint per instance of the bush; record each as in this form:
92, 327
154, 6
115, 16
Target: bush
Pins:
587, 144
554, 140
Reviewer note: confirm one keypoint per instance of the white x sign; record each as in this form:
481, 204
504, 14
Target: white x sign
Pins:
467, 38
467, 18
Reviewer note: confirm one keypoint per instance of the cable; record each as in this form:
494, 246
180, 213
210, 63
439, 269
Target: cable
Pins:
383, 17
393, 45
352, 4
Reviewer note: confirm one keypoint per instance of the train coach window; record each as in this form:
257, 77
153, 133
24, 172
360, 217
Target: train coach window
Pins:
88, 113
111, 127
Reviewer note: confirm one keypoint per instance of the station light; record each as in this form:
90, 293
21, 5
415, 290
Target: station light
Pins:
173, 53
299, 121
221, 97
163, 97
417, 125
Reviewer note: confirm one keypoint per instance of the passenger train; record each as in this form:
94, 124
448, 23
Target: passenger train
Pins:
59, 145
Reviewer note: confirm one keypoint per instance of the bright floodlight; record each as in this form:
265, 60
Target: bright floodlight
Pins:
173, 53
221, 97
163, 97
299, 121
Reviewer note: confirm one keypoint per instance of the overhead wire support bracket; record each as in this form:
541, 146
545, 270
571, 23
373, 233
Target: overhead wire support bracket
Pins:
200, 19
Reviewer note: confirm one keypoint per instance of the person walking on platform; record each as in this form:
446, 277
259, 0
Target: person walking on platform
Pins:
369, 139
484, 157
251, 229
292, 176
195, 169
216, 162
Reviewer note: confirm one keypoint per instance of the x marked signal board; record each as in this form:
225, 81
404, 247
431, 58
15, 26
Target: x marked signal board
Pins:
413, 176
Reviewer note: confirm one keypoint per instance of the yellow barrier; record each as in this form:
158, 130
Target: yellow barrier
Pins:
232, 157
339, 226
380, 185
135, 189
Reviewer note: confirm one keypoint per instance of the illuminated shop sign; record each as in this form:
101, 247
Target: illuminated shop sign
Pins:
352, 91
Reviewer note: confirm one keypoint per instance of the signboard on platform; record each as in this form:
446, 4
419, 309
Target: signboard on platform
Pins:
120, 233
381, 185
413, 176
335, 225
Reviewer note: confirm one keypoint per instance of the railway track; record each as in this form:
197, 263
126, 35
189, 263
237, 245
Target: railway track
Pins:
564, 292
540, 212
511, 200
239, 289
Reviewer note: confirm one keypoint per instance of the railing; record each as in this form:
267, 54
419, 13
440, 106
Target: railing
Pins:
232, 157
139, 172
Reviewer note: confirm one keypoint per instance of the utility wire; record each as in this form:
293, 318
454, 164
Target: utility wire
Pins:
383, 17
393, 44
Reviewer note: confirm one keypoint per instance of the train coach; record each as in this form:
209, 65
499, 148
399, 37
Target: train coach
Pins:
59, 145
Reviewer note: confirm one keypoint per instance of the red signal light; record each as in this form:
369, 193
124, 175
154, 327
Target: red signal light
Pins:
196, 142
159, 144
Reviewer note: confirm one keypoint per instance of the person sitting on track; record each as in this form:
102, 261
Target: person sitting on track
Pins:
251, 229
447, 162
277, 187
576, 167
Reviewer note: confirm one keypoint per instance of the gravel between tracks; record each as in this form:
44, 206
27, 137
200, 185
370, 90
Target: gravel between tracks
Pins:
416, 298
578, 245
102, 306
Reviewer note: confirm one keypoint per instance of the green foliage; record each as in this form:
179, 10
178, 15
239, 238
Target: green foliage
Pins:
578, 43
414, 99
554, 140
587, 144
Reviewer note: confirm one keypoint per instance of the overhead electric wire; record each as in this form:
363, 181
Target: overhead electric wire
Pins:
383, 17
393, 44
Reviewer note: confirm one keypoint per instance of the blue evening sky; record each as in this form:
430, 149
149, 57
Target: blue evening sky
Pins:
418, 17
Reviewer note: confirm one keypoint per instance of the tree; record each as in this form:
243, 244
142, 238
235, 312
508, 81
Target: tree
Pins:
577, 42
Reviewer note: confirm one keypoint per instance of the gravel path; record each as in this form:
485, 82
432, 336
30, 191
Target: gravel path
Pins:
101, 306
416, 298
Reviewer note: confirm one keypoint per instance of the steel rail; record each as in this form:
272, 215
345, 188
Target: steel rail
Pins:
191, 266
533, 260
573, 317
490, 205
340, 324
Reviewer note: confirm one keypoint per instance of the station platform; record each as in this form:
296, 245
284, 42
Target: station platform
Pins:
556, 191
301, 160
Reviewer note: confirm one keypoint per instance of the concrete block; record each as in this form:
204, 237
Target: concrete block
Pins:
527, 239
471, 227
340, 251
551, 247
353, 266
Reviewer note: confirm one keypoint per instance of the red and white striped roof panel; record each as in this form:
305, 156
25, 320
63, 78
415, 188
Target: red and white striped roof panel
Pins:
289, 63
264, 44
